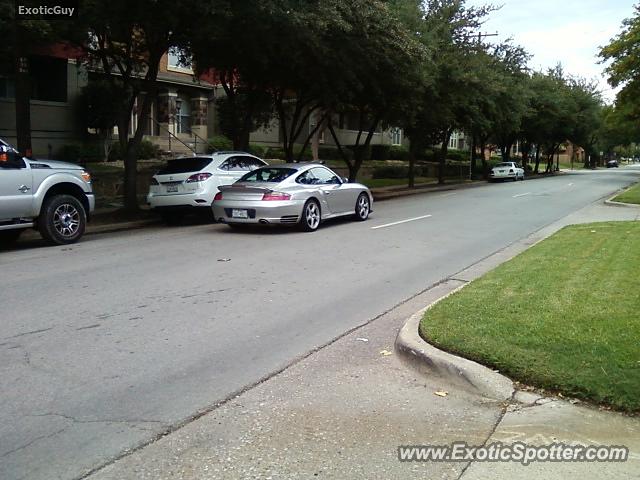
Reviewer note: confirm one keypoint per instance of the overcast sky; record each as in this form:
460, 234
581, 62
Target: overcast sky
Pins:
565, 31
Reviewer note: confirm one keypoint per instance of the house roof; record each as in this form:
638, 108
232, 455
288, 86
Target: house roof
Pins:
182, 79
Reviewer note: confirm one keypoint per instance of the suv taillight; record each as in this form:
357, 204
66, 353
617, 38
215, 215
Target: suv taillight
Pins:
217, 197
153, 181
198, 177
276, 196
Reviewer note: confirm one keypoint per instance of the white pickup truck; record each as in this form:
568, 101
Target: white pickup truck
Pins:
56, 198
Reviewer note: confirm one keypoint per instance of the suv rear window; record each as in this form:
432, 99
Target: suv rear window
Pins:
184, 165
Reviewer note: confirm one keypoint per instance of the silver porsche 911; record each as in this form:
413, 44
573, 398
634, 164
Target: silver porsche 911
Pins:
302, 194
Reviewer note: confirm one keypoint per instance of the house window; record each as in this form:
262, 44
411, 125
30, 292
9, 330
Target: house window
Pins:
7, 87
48, 78
453, 141
176, 60
396, 136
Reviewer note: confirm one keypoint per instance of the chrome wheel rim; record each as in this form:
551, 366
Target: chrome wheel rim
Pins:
66, 220
363, 207
312, 215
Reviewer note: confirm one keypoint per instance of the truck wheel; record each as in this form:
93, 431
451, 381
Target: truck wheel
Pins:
62, 219
9, 237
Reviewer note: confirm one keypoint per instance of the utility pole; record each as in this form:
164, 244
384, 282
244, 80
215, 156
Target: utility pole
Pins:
481, 35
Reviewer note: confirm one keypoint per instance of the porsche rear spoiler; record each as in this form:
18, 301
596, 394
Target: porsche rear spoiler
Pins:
243, 188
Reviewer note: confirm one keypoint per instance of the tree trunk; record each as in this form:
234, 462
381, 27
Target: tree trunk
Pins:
412, 173
131, 153
472, 166
537, 167
444, 148
505, 151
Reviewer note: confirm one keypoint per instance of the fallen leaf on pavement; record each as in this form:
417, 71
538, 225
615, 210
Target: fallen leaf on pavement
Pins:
385, 353
441, 394
224, 259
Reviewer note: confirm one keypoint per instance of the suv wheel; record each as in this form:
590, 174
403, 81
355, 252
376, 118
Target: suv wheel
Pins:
62, 219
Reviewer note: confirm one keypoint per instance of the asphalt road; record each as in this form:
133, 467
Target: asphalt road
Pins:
110, 342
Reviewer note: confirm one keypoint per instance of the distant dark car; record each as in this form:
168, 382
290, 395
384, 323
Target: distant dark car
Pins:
612, 164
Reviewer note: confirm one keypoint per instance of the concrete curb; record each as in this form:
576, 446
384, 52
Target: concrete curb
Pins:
467, 374
611, 202
116, 227
106, 228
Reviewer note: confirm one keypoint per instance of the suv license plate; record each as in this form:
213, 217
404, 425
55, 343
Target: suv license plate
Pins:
239, 213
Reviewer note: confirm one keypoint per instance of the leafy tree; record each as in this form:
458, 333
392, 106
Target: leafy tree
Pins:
383, 76
513, 95
617, 128
443, 105
586, 115
125, 41
20, 37
624, 69
98, 107
242, 111
285, 56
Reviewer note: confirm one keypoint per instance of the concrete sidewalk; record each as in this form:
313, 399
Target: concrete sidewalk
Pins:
342, 411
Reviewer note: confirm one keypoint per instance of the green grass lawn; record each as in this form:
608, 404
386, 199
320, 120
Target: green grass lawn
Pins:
567, 165
630, 196
564, 315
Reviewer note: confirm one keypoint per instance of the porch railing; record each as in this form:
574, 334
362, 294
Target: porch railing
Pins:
193, 147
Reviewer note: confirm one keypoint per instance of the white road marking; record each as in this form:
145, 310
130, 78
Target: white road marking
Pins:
401, 221
447, 194
521, 194
569, 184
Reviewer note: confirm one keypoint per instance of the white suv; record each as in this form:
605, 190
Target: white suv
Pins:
191, 183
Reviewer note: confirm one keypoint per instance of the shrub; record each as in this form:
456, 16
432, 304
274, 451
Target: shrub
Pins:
219, 142
274, 152
257, 150
380, 152
364, 151
332, 153
69, 153
398, 153
429, 155
492, 162
76, 153
146, 151
390, 171
278, 153
459, 155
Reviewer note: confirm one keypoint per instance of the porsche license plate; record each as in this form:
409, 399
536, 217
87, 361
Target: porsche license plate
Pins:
235, 213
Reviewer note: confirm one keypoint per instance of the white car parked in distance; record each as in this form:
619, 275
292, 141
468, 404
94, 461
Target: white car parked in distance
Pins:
507, 170
190, 183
